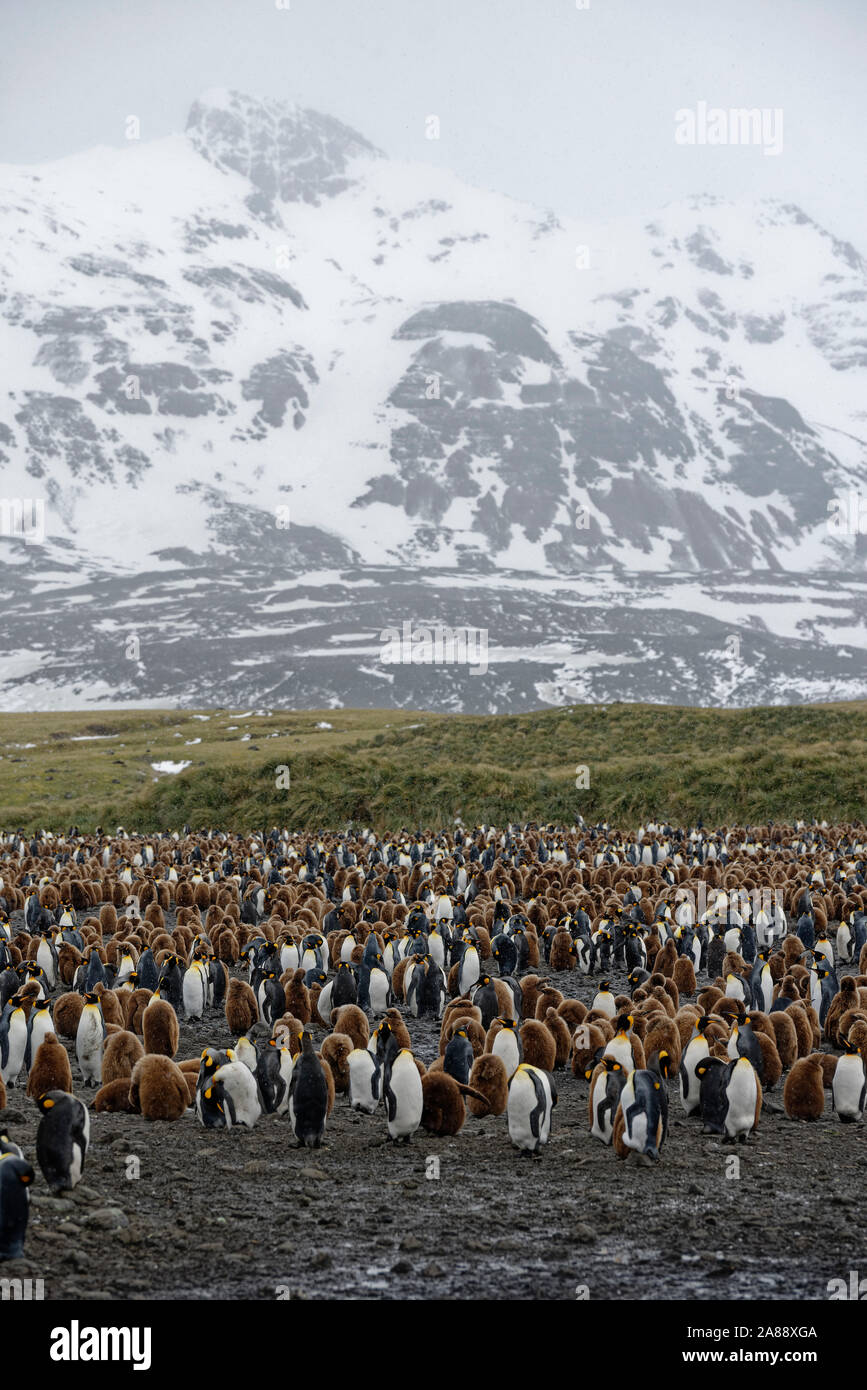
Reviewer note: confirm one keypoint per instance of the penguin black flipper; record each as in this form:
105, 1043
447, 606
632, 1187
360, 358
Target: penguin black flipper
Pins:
538, 1111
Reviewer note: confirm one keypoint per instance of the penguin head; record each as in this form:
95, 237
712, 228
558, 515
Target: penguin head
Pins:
665, 1064
611, 1064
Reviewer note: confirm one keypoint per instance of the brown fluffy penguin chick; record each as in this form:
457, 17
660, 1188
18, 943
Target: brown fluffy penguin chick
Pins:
530, 986
845, 999
857, 1036
489, 1077
683, 975
443, 1111
828, 1062
335, 1051
329, 1079
785, 1037
708, 998
587, 1039
572, 1012
547, 998
297, 998
562, 952
562, 1037
540, 1050
288, 1032
685, 1023
51, 1070
802, 1028
772, 1067
114, 1098
505, 999
67, 1012
793, 950
458, 1008
397, 975
666, 960
617, 1144
159, 1088
241, 1008
729, 1009
108, 919
110, 1005
762, 1023
398, 1028
663, 1033
474, 1031
160, 1029
352, 1020
804, 1091
134, 1007
122, 1051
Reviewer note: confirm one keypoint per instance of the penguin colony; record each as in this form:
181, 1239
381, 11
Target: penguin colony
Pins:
320, 951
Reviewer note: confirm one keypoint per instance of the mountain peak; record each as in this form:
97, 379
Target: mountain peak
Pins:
288, 152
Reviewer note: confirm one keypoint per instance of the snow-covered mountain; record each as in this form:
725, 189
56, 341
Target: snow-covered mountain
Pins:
260, 367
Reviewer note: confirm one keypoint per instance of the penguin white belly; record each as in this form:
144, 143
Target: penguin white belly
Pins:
523, 1105
844, 942
347, 948
41, 1028
470, 971
362, 1070
310, 960
766, 990
194, 990
605, 1003
848, 1087
323, 1004
620, 1049
604, 1131
76, 1166
17, 1044
289, 958
380, 987
286, 1065
734, 988
405, 1085
89, 1045
635, 1133
240, 1083
742, 1094
732, 939
697, 1050
506, 1047
437, 949
45, 958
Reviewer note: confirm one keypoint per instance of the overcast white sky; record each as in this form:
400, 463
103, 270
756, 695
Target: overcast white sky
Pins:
568, 108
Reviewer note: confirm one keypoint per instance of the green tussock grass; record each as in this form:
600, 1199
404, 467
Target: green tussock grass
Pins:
389, 769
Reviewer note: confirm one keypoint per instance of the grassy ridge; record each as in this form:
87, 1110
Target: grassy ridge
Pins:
388, 768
